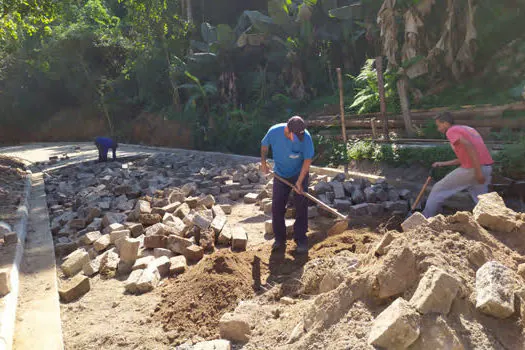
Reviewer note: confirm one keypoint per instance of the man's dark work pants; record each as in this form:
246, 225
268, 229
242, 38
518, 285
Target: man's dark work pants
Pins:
281, 193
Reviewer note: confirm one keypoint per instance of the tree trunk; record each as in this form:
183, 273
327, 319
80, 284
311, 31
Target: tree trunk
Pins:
189, 11
405, 104
382, 98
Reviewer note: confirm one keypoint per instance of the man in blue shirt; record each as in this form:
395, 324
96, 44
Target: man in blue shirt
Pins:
103, 145
293, 150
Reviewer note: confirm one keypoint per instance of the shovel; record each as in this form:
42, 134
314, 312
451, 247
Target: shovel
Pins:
342, 223
420, 195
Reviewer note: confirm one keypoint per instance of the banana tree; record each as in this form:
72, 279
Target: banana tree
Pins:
199, 93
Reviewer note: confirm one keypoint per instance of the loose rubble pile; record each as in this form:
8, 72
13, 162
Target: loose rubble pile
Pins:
148, 218
445, 283
151, 217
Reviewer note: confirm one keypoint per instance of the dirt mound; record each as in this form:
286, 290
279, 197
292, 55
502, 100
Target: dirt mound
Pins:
193, 303
344, 315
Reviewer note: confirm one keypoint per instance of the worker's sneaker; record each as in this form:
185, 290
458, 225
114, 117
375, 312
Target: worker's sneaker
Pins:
302, 248
278, 246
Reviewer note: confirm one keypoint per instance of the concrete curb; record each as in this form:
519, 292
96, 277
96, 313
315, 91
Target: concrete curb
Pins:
10, 301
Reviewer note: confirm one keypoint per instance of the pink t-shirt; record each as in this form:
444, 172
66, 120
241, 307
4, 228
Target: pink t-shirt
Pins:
455, 132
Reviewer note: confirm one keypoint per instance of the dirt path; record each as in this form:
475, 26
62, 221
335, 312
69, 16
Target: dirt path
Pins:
38, 324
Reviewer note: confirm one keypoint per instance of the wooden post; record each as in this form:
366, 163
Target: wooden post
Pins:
405, 103
374, 130
342, 110
382, 99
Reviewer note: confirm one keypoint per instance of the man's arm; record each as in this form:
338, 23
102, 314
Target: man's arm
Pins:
448, 163
264, 164
474, 158
304, 171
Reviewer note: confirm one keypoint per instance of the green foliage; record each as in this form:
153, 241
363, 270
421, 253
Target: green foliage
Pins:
430, 131
367, 90
510, 161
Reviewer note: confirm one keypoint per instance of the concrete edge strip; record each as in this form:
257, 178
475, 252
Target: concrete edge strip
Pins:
10, 301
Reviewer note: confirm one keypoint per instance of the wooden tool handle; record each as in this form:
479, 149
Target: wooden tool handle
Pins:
421, 193
312, 198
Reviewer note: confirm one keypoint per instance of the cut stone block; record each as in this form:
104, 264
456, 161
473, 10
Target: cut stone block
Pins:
399, 271
250, 198
178, 244
92, 267
151, 242
218, 223
183, 211
495, 290
135, 228
397, 327
177, 227
491, 212
217, 344
159, 211
91, 237
417, 219
142, 263
338, 189
227, 208
235, 327
382, 246
163, 265
158, 252
239, 238
150, 219
207, 201
113, 218
109, 263
170, 208
5, 282
149, 279
201, 221
74, 262
225, 235
159, 229
77, 224
116, 235
113, 227
268, 227
436, 292
194, 253
10, 238
141, 207
359, 210
129, 249
178, 264
131, 283
74, 288
437, 335
343, 205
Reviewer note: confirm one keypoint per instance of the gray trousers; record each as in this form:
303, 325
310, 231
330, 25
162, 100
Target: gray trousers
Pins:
458, 180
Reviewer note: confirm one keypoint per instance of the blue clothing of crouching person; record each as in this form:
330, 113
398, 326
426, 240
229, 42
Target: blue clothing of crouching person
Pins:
103, 145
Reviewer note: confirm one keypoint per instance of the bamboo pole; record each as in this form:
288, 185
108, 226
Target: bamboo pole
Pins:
342, 110
374, 130
382, 98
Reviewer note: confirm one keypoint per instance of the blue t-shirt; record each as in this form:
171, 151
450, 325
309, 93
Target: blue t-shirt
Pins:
105, 142
287, 155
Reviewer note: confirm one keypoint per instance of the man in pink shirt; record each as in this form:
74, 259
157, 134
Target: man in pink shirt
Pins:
475, 165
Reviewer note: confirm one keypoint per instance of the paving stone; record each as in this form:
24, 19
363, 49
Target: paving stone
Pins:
400, 206
250, 198
414, 221
375, 209
159, 211
74, 288
397, 327
393, 195
125, 267
178, 244
151, 242
178, 264
217, 211
201, 221
130, 284
322, 187
436, 292
338, 189
235, 327
74, 262
194, 253
158, 252
290, 213
370, 195
359, 210
239, 238
116, 235
227, 208
109, 263
149, 279
78, 224
495, 290
142, 263
62, 249
136, 229
91, 237
343, 205
358, 196
159, 229
113, 227
208, 201
177, 196
382, 247
163, 265
404, 194
129, 249
10, 238
398, 272
313, 212
170, 208
5, 282
268, 227
113, 218
149, 219
92, 267
207, 239
491, 212
225, 235
182, 211
192, 202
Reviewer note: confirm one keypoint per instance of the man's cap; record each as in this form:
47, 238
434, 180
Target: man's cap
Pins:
297, 126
